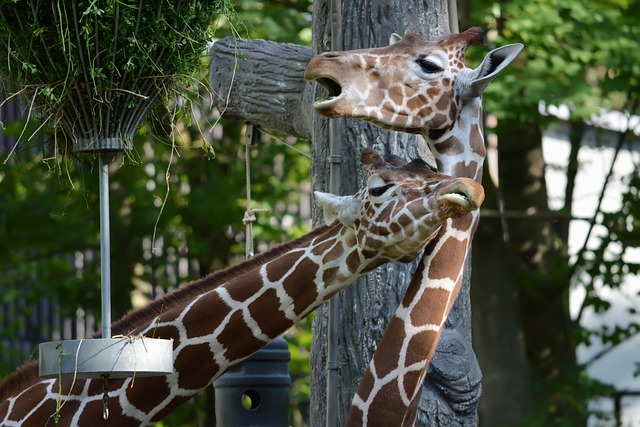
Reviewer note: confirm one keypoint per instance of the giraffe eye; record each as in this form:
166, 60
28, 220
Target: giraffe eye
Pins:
379, 191
429, 67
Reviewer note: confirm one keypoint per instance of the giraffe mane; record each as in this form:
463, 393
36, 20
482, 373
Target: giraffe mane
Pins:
27, 374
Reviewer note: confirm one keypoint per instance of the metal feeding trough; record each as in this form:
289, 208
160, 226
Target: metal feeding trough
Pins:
105, 357
111, 357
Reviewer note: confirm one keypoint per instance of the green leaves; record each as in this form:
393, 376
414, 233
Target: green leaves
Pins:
93, 59
576, 53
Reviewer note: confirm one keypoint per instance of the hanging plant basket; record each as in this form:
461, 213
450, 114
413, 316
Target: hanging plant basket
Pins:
93, 69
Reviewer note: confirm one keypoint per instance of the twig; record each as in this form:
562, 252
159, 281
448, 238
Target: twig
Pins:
33, 100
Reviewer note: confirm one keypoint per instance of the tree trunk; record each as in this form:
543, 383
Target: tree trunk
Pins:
521, 319
497, 334
265, 87
278, 98
542, 291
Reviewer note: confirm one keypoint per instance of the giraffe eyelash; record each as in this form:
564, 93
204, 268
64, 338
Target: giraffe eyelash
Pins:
428, 66
379, 191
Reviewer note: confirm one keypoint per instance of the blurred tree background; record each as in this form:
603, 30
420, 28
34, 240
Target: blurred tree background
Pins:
188, 200
177, 205
581, 56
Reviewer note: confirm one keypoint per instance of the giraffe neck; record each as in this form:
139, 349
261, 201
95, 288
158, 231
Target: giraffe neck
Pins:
460, 151
390, 389
219, 327
222, 319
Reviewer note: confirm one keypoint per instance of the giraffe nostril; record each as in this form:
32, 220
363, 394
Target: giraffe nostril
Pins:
331, 55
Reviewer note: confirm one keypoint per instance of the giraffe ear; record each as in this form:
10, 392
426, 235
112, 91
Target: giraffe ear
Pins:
493, 63
394, 38
345, 209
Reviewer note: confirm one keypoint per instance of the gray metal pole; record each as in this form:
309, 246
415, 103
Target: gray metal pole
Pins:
335, 168
453, 17
105, 246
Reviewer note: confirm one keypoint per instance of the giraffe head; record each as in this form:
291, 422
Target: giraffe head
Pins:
401, 208
411, 85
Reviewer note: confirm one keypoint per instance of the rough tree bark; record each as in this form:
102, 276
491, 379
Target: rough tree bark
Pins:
268, 89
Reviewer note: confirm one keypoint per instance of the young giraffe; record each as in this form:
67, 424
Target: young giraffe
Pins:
416, 86
222, 319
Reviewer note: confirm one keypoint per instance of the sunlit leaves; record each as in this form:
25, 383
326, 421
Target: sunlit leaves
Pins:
576, 54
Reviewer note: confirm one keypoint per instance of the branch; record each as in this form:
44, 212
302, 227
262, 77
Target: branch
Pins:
599, 355
262, 82
494, 213
621, 139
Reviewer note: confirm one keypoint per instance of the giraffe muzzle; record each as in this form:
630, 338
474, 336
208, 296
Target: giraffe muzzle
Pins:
462, 196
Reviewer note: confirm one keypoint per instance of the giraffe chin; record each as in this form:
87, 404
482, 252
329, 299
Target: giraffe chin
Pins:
328, 107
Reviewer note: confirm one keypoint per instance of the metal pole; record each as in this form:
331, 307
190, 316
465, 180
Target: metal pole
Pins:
335, 167
105, 249
453, 17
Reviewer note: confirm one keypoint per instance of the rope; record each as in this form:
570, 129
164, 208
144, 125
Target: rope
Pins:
252, 137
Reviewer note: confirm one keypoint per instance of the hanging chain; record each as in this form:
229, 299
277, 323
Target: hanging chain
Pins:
252, 137
105, 397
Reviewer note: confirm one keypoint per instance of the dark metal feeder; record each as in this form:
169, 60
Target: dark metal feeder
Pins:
256, 391
112, 357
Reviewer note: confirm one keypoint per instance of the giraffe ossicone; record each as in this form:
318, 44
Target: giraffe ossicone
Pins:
220, 320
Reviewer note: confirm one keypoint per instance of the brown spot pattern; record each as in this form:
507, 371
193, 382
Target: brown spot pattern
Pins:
418, 344
385, 363
434, 304
166, 332
205, 315
242, 290
237, 330
20, 409
196, 366
336, 252
454, 252
411, 380
276, 269
140, 396
353, 261
92, 415
449, 145
266, 312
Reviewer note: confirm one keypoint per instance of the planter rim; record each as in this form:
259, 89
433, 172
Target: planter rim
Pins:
113, 357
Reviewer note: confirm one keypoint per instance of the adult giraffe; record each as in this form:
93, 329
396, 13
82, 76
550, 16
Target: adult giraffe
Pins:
416, 86
219, 320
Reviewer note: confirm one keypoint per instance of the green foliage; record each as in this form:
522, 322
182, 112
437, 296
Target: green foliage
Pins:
108, 59
570, 56
182, 188
608, 265
582, 55
280, 21
566, 405
55, 43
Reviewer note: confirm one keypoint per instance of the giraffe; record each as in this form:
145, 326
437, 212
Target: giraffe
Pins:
421, 87
218, 321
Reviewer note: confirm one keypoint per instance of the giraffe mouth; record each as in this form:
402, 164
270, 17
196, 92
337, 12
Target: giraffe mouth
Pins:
334, 89
463, 196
